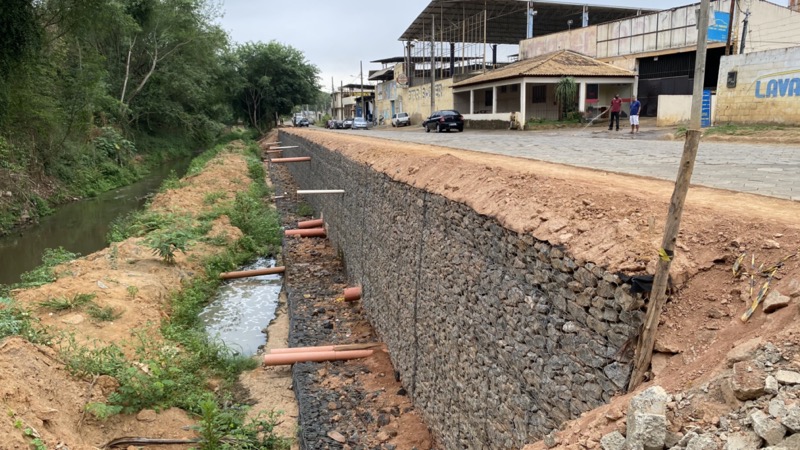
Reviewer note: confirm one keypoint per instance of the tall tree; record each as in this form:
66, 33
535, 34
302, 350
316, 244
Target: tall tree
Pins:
273, 78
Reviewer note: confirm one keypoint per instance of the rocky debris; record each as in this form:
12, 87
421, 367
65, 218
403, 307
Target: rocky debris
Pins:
646, 423
794, 288
764, 411
775, 301
748, 381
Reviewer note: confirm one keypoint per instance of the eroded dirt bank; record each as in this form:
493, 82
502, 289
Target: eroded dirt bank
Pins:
616, 221
41, 400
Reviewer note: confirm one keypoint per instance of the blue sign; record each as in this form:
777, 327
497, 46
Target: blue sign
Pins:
718, 29
705, 112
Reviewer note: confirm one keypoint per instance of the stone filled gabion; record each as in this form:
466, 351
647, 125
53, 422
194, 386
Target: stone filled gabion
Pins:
497, 336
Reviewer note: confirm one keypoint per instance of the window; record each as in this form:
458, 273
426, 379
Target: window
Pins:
592, 91
514, 88
503, 89
487, 97
539, 94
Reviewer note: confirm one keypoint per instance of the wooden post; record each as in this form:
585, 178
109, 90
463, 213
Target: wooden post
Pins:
644, 348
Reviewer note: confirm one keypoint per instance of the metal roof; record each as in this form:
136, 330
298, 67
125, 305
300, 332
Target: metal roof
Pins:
506, 19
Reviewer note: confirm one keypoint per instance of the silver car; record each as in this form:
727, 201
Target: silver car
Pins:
360, 122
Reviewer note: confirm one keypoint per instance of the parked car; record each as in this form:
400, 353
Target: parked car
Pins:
445, 120
400, 120
301, 122
360, 123
347, 123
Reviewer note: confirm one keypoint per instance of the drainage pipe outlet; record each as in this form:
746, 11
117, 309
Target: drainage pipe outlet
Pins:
315, 223
352, 294
306, 232
282, 359
251, 273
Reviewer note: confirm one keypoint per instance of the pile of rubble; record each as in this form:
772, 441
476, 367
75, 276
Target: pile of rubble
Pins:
757, 401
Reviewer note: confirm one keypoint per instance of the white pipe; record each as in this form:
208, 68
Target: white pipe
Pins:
321, 191
271, 143
281, 148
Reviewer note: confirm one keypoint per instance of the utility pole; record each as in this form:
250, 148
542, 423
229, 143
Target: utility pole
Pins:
730, 28
644, 348
744, 30
341, 100
363, 102
433, 63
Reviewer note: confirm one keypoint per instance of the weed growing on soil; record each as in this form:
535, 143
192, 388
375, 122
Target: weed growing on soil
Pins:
212, 197
103, 314
171, 182
304, 210
45, 274
132, 291
139, 223
16, 321
64, 304
201, 160
224, 429
165, 242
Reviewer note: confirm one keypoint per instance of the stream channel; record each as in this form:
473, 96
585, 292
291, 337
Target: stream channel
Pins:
237, 314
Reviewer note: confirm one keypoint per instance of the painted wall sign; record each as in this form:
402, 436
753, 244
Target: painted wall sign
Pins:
781, 84
718, 27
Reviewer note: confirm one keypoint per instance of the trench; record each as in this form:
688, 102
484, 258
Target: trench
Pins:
81, 226
498, 337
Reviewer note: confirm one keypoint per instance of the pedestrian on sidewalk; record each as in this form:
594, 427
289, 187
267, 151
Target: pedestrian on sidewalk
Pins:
616, 107
636, 106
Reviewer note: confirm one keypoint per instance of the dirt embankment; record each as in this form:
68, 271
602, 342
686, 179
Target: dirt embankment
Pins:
40, 399
617, 221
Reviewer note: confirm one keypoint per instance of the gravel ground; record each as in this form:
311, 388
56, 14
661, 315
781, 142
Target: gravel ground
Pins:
356, 404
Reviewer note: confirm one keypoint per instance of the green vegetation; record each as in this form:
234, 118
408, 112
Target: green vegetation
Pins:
567, 97
103, 314
304, 209
215, 425
16, 321
93, 93
45, 273
64, 304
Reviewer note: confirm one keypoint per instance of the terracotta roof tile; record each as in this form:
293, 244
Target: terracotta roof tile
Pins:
556, 64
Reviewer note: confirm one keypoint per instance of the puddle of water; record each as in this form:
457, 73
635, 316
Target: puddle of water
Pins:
242, 308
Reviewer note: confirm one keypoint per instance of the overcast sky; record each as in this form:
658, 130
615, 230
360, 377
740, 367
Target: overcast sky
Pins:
335, 35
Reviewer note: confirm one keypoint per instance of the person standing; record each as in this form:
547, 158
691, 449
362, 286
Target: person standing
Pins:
616, 107
635, 108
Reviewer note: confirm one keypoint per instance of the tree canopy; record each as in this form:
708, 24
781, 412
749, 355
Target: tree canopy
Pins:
84, 82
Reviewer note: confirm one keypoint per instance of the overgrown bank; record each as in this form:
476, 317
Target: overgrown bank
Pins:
122, 322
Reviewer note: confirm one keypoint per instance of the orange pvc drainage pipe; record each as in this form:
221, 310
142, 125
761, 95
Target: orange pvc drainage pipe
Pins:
252, 273
283, 359
315, 223
306, 232
321, 348
352, 293
273, 151
288, 160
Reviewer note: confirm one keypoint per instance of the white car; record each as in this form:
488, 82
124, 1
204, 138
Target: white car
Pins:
400, 120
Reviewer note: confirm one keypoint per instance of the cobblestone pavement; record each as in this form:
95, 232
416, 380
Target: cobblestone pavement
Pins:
766, 169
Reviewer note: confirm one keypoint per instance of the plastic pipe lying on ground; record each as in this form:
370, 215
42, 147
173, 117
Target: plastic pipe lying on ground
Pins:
288, 160
352, 293
282, 359
281, 148
273, 151
327, 348
306, 232
271, 143
252, 273
311, 223
320, 191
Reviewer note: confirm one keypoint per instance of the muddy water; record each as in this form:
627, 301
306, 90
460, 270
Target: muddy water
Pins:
79, 227
242, 308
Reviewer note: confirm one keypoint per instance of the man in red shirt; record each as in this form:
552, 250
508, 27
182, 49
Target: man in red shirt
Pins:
616, 107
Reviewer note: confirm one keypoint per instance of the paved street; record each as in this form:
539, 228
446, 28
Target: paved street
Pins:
766, 169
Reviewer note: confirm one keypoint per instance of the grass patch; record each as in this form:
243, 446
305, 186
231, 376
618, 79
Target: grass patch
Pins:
103, 314
45, 273
213, 197
65, 304
304, 209
171, 182
17, 321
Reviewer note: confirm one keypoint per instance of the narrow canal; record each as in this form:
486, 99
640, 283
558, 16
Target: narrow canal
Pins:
79, 227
